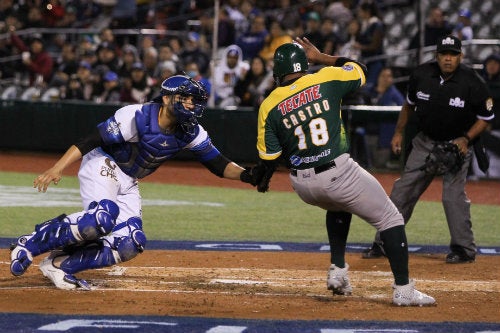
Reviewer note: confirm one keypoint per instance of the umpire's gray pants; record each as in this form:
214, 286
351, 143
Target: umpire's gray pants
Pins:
413, 182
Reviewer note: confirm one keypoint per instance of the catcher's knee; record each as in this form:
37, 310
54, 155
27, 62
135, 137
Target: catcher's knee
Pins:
99, 220
127, 239
129, 247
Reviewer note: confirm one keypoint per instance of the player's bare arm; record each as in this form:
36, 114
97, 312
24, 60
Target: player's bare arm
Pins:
463, 141
397, 138
54, 174
233, 171
314, 55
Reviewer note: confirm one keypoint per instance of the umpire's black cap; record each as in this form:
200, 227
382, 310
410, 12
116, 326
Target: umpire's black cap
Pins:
449, 43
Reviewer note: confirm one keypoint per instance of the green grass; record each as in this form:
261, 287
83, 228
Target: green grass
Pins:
246, 215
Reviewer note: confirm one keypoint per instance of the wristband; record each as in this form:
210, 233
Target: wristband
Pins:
467, 137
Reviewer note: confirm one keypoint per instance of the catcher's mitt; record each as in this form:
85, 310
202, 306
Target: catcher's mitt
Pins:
444, 157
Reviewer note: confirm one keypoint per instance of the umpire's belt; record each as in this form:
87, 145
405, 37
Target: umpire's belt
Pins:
318, 169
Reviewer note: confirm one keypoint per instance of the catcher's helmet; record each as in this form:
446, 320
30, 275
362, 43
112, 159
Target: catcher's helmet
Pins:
186, 87
289, 58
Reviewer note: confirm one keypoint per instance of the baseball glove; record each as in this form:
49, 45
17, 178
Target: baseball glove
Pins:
444, 157
259, 175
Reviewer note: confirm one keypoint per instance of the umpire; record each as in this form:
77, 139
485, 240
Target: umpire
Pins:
451, 104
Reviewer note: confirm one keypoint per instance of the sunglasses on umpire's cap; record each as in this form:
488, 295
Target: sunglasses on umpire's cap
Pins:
449, 43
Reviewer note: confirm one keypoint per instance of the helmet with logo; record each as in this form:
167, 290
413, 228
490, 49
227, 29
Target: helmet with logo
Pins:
289, 58
185, 87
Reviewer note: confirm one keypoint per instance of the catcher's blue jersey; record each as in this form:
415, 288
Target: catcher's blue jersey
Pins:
134, 140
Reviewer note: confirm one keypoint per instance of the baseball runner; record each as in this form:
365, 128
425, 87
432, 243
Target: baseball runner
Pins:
300, 121
452, 105
128, 146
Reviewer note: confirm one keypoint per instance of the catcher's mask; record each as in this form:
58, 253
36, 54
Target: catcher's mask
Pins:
189, 91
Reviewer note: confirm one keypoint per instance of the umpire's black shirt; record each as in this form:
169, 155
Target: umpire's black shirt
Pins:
446, 109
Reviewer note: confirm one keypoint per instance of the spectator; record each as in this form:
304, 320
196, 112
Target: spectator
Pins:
34, 18
86, 79
73, 89
252, 88
90, 57
226, 34
330, 37
340, 12
233, 10
104, 16
491, 138
6, 9
385, 93
165, 70
66, 65
165, 53
313, 30
107, 35
86, 11
176, 44
192, 52
150, 60
37, 62
111, 91
107, 56
252, 41
69, 18
277, 36
371, 40
124, 15
193, 72
463, 29
128, 58
347, 49
54, 12
435, 27
230, 69
138, 87
86, 43
288, 15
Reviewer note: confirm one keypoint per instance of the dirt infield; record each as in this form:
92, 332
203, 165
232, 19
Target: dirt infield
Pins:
270, 285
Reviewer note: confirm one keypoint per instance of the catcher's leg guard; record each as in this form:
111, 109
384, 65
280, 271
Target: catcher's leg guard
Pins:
62, 231
107, 251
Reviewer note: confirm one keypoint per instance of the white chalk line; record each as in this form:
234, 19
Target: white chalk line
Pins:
245, 277
23, 196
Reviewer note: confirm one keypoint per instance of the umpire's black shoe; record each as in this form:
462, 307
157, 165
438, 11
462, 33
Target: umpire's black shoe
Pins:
374, 252
457, 258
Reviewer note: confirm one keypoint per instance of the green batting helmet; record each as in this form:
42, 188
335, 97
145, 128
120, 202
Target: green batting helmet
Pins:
289, 58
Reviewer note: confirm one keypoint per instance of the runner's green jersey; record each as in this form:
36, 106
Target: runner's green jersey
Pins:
302, 121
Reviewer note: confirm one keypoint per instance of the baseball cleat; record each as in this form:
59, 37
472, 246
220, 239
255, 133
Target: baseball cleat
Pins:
407, 295
59, 278
21, 258
338, 280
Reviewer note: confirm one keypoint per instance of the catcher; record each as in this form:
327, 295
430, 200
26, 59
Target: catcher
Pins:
453, 106
128, 146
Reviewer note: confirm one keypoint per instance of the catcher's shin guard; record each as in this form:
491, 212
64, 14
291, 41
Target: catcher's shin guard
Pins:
62, 231
107, 251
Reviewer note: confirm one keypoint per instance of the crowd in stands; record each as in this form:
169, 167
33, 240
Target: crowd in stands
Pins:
110, 67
